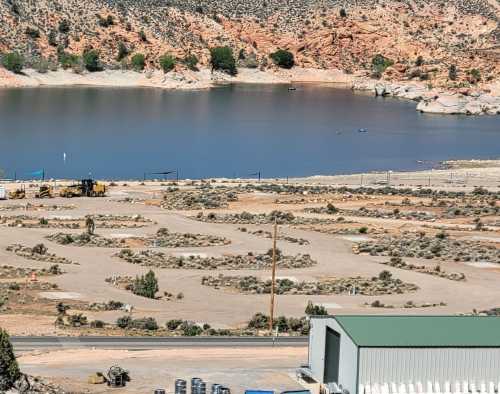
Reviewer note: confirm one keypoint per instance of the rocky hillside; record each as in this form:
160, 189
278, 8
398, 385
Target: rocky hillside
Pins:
420, 39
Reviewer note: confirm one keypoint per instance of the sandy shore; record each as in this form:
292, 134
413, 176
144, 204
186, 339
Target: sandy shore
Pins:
466, 102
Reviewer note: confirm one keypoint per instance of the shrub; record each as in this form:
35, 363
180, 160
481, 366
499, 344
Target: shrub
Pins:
380, 63
191, 62
385, 275
343, 13
123, 51
41, 65
475, 75
105, 22
68, 60
97, 324
52, 38
190, 329
452, 72
64, 26
283, 58
146, 323
419, 62
173, 324
138, 62
167, 62
91, 60
77, 320
315, 310
363, 230
142, 36
222, 59
13, 61
331, 209
8, 365
32, 32
124, 321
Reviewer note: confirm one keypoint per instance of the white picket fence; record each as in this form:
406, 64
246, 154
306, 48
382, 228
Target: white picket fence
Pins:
464, 387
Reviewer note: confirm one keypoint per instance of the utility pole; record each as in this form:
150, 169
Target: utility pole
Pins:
273, 277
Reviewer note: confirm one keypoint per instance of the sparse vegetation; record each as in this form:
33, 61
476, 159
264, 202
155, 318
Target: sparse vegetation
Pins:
283, 58
167, 62
138, 62
9, 369
13, 61
91, 60
222, 59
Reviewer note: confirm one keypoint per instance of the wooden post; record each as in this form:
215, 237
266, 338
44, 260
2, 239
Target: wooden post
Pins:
273, 277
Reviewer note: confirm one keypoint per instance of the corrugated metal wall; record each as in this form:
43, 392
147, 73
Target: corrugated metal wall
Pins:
404, 365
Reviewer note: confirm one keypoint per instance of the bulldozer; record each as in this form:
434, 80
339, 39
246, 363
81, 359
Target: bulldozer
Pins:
86, 188
71, 191
45, 191
18, 194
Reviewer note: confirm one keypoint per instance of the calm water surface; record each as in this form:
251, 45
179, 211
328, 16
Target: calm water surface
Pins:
228, 131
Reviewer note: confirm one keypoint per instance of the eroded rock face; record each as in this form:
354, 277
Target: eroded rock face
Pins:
151, 258
357, 285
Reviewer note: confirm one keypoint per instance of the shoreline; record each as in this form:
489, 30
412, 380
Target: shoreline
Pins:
434, 101
451, 174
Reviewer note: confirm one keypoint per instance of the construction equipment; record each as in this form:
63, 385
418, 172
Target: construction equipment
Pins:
17, 194
45, 191
117, 377
71, 191
91, 188
86, 188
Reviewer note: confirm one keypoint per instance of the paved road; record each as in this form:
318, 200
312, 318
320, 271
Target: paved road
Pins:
143, 343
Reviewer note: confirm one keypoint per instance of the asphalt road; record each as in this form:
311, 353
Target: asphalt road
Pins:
143, 343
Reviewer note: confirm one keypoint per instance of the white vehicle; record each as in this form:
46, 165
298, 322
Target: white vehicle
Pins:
3, 193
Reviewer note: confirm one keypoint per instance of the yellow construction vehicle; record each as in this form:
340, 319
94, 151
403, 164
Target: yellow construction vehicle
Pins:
71, 191
86, 188
45, 191
17, 194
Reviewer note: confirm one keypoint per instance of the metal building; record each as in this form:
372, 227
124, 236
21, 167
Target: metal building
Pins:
387, 354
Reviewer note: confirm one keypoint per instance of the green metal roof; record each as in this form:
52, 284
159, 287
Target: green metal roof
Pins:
422, 331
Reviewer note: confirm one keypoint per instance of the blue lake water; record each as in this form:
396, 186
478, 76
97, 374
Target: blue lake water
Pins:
228, 131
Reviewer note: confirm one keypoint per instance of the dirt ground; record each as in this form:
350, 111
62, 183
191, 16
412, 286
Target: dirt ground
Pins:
84, 282
237, 368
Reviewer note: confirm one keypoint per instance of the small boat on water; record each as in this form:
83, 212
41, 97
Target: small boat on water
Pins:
292, 88
362, 131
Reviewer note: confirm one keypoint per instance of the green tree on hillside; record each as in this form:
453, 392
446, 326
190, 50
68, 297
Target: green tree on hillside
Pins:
9, 369
138, 62
452, 72
123, 51
191, 62
91, 60
283, 58
222, 59
13, 61
167, 62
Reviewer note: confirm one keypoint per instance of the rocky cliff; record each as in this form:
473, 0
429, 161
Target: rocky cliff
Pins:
421, 40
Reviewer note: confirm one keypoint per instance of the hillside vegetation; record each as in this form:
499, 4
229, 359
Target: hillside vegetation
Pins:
450, 43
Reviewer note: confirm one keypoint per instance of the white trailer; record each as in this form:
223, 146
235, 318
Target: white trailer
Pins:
3, 193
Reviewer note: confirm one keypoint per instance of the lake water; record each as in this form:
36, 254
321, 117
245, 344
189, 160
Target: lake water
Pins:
228, 131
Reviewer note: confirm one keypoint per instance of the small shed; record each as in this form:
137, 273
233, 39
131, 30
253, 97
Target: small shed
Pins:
361, 354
